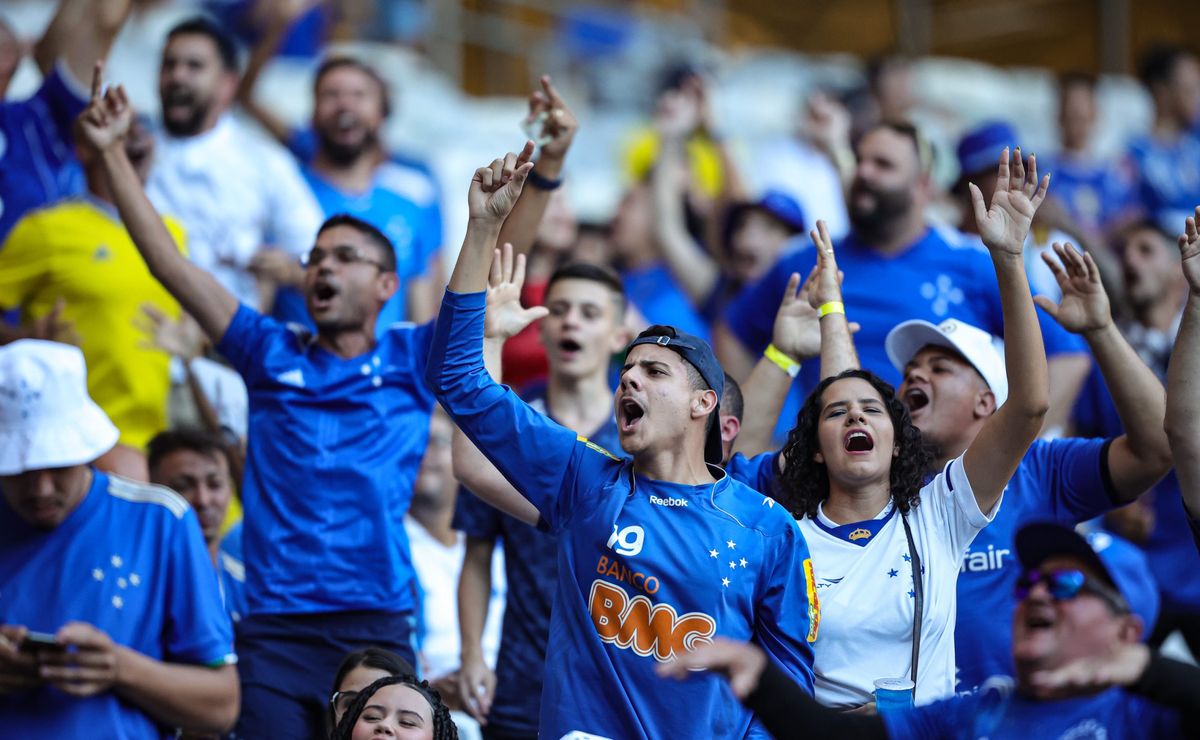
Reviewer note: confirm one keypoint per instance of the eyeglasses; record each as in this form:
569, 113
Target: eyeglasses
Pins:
340, 702
1064, 585
344, 254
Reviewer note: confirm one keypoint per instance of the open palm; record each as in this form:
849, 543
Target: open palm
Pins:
505, 316
1084, 306
1004, 224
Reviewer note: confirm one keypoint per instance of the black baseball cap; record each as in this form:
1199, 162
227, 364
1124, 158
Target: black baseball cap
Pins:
696, 352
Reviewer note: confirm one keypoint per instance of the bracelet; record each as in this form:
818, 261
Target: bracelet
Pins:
831, 307
543, 183
782, 360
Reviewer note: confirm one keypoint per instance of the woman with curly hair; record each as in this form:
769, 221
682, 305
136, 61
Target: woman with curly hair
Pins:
402, 707
887, 541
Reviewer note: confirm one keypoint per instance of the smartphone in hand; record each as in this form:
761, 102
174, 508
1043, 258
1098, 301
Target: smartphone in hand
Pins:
36, 642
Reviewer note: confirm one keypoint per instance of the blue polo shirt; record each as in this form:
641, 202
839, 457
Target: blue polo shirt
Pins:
130, 560
37, 152
334, 449
998, 713
940, 276
1167, 185
1063, 480
532, 574
646, 569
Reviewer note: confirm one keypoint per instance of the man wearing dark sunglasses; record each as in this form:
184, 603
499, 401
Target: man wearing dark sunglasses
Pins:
1081, 668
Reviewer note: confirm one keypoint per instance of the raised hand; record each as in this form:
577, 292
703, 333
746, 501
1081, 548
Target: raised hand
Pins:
826, 280
1084, 306
495, 188
1004, 224
182, 338
1189, 252
505, 316
827, 122
558, 123
105, 122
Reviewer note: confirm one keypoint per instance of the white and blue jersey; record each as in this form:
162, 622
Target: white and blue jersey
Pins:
130, 560
1167, 185
646, 569
942, 275
998, 713
37, 151
336, 444
1062, 480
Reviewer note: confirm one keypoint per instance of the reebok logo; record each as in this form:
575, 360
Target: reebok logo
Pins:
669, 501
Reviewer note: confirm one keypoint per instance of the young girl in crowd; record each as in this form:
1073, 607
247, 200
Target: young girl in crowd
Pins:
402, 706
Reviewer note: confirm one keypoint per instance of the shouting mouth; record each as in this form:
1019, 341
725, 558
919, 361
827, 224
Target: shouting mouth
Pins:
916, 399
629, 415
858, 441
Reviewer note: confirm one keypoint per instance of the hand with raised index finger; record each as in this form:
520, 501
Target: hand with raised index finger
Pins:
827, 284
495, 188
557, 122
1004, 224
105, 122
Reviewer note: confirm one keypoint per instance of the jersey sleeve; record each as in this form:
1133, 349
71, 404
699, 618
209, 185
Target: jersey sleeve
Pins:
950, 510
198, 627
942, 719
547, 463
751, 314
23, 264
759, 472
787, 612
66, 98
246, 339
475, 517
1072, 477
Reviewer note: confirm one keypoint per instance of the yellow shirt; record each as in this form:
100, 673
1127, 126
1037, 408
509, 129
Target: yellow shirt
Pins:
704, 159
80, 251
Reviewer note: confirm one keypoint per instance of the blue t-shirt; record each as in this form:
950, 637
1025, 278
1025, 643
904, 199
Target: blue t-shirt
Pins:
998, 713
37, 151
1167, 184
1094, 192
646, 569
231, 572
531, 579
942, 275
130, 560
657, 295
334, 449
1062, 481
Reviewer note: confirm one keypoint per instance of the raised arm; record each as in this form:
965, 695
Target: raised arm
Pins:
1183, 376
1141, 456
277, 19
559, 126
993, 456
102, 127
80, 33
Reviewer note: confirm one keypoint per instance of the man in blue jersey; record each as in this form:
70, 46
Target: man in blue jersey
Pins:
897, 267
112, 625
657, 554
1166, 160
37, 153
339, 423
195, 464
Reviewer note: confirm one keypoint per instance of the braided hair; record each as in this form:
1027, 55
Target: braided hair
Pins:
804, 482
443, 726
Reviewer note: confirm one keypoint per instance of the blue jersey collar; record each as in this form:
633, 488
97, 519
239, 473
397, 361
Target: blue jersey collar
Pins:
856, 533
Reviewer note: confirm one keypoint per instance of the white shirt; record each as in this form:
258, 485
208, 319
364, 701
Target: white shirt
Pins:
235, 192
796, 168
438, 568
867, 598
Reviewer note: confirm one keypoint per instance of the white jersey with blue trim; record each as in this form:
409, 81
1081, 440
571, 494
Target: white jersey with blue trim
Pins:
864, 574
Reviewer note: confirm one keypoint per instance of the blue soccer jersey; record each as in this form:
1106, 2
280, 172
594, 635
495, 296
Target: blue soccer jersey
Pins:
231, 573
654, 291
1062, 480
1167, 185
335, 447
1094, 192
531, 580
998, 713
130, 560
646, 569
37, 151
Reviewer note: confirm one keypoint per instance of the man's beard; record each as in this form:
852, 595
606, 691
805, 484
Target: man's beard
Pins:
193, 122
891, 207
347, 154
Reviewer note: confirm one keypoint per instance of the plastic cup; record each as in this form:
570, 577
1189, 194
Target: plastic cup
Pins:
893, 693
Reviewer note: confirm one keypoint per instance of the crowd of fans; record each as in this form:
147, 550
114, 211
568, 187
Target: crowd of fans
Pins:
895, 459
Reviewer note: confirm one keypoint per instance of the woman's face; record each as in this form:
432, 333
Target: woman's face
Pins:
357, 679
855, 433
395, 711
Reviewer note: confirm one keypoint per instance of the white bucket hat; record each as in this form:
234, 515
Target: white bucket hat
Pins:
978, 347
47, 419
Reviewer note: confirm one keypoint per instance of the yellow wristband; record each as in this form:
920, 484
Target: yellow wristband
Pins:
783, 361
831, 307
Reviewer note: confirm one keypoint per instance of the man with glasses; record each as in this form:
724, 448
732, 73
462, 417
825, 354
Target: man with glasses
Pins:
338, 424
1082, 671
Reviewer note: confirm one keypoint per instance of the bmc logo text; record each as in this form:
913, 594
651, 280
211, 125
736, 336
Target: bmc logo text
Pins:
645, 627
628, 541
671, 501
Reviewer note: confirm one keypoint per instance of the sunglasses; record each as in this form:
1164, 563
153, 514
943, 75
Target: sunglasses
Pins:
1064, 585
343, 254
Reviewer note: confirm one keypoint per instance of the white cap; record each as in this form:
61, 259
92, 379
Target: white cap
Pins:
978, 347
47, 419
